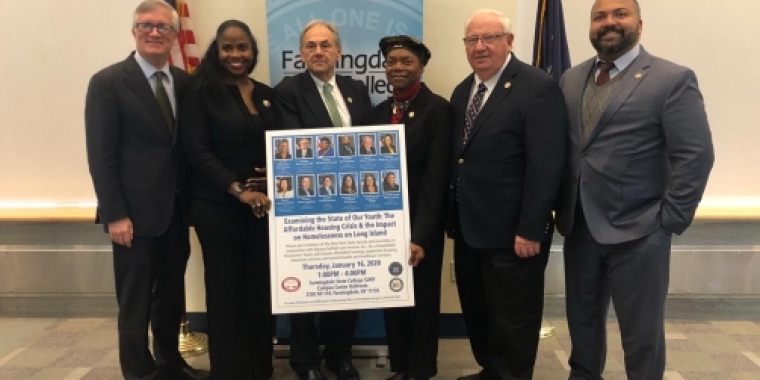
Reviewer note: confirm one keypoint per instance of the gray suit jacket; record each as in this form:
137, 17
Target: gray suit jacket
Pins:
645, 165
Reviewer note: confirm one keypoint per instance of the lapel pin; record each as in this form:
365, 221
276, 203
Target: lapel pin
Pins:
349, 99
411, 114
637, 76
508, 85
266, 103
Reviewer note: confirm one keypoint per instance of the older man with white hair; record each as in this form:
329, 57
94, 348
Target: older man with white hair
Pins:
508, 152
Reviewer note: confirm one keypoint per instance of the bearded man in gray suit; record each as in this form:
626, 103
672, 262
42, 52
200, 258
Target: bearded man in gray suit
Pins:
639, 155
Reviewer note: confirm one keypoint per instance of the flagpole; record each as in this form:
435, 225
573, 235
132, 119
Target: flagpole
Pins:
551, 54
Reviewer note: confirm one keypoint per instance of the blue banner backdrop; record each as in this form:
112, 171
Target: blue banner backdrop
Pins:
361, 23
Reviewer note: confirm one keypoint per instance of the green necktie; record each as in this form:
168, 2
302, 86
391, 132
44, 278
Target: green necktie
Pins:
332, 108
163, 100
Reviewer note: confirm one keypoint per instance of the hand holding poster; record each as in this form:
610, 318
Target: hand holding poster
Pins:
339, 227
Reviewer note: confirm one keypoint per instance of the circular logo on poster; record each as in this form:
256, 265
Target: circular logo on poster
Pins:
290, 284
395, 268
397, 285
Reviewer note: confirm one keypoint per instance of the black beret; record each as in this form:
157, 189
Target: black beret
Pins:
410, 43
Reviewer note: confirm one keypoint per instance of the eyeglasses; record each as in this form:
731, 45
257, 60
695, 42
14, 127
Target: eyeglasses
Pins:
488, 39
146, 27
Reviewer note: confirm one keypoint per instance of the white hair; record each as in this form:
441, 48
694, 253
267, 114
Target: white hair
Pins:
503, 19
151, 5
329, 25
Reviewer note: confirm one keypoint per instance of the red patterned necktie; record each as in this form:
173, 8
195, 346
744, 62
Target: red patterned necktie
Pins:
604, 72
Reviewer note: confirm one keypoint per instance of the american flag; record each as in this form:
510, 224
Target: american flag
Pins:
185, 52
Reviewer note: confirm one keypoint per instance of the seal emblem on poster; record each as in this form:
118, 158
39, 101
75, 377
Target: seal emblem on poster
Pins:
291, 284
396, 284
395, 268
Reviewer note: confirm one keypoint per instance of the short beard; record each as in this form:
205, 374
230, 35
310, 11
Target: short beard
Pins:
626, 42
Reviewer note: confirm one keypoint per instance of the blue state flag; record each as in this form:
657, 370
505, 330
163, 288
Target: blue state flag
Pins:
550, 52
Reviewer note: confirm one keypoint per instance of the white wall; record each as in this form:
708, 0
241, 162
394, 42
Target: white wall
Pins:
52, 47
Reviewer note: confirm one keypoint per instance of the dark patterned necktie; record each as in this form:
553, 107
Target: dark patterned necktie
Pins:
163, 99
604, 72
472, 111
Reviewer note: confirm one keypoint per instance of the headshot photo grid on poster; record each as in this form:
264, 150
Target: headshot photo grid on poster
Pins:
356, 165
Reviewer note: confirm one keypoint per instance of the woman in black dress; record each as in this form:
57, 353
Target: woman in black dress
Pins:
428, 119
224, 114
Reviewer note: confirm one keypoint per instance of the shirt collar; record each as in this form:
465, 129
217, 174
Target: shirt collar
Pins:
149, 69
320, 83
624, 60
491, 83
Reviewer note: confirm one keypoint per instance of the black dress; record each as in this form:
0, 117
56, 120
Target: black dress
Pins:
224, 143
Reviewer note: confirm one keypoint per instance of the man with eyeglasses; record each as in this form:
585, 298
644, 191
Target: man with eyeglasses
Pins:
139, 175
319, 98
508, 153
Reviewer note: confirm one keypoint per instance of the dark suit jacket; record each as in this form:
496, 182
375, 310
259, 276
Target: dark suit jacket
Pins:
323, 190
302, 106
305, 193
135, 159
371, 150
385, 150
344, 150
645, 165
509, 173
428, 137
222, 143
309, 153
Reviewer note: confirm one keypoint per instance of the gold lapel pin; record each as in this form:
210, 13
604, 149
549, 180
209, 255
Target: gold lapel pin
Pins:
266, 103
508, 85
637, 76
411, 114
349, 99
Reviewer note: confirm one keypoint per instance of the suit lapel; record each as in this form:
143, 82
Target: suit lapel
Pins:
461, 103
636, 73
350, 97
415, 108
140, 86
314, 100
179, 82
498, 94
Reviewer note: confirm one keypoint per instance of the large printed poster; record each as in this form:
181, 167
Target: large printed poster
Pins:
361, 24
339, 225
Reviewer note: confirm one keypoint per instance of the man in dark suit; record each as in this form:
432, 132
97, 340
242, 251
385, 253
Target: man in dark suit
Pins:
319, 98
304, 150
346, 147
304, 188
367, 145
508, 154
639, 156
138, 170
327, 187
